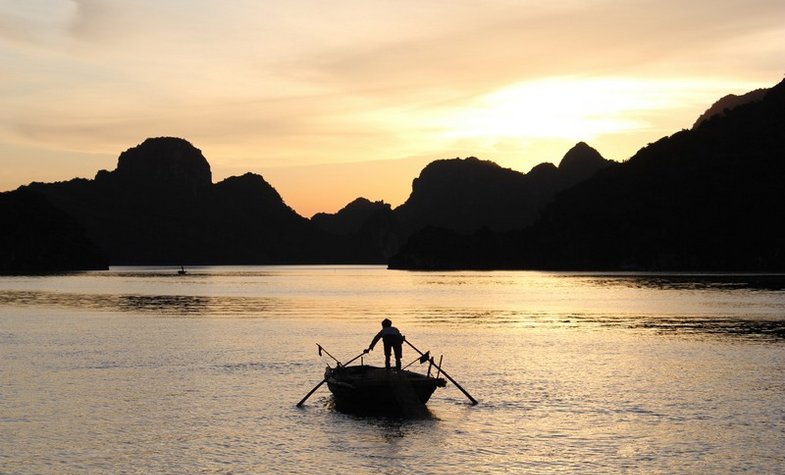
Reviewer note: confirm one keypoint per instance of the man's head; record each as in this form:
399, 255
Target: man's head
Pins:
386, 323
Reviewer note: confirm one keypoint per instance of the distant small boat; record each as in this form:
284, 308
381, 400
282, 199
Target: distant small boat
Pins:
182, 271
372, 388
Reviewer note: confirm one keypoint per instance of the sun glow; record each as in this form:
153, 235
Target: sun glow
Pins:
577, 109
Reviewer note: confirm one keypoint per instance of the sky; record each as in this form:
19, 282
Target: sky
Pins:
334, 100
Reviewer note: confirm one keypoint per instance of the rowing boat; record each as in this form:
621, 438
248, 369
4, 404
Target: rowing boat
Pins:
364, 387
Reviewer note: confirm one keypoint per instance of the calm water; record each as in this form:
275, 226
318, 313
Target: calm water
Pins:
138, 370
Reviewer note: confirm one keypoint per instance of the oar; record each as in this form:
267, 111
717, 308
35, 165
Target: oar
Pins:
311, 392
325, 379
474, 401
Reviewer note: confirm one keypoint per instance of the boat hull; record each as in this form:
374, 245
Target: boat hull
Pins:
373, 388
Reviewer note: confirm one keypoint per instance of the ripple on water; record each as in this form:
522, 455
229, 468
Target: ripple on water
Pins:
572, 374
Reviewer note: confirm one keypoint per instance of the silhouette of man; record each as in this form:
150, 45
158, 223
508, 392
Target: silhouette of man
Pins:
392, 339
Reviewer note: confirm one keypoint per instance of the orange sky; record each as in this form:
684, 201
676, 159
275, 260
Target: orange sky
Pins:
334, 100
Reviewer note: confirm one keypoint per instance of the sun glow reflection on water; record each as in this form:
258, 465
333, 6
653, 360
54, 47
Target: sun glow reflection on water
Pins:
140, 370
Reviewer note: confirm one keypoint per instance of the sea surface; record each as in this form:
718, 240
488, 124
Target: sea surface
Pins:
139, 370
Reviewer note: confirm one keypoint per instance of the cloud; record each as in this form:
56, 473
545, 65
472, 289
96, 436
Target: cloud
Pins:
34, 23
479, 52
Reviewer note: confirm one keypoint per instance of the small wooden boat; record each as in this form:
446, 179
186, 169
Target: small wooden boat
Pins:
369, 389
366, 387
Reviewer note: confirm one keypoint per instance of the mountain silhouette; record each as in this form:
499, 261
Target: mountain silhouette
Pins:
466, 194
166, 167
463, 195
469, 194
730, 102
38, 237
159, 206
579, 163
710, 198
364, 232
351, 218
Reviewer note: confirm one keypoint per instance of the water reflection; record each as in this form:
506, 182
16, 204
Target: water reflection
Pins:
735, 326
763, 282
390, 418
731, 327
750, 306
183, 305
746, 329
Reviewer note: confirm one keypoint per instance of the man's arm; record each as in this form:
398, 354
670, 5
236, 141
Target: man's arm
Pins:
373, 342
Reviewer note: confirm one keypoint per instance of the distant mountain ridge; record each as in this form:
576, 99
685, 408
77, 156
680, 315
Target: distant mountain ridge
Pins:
728, 103
468, 194
164, 165
463, 195
159, 206
710, 198
700, 199
38, 237
352, 217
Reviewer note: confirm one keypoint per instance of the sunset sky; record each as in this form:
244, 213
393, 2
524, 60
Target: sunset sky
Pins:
331, 100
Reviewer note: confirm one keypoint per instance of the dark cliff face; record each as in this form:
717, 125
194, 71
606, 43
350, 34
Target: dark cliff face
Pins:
363, 231
705, 199
164, 163
462, 195
160, 207
38, 237
352, 217
253, 194
466, 195
580, 163
728, 103
250, 223
162, 173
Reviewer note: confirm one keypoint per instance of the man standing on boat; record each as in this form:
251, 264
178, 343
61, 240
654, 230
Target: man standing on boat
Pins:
392, 339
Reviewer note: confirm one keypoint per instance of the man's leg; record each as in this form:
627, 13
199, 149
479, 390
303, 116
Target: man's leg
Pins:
387, 348
398, 353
